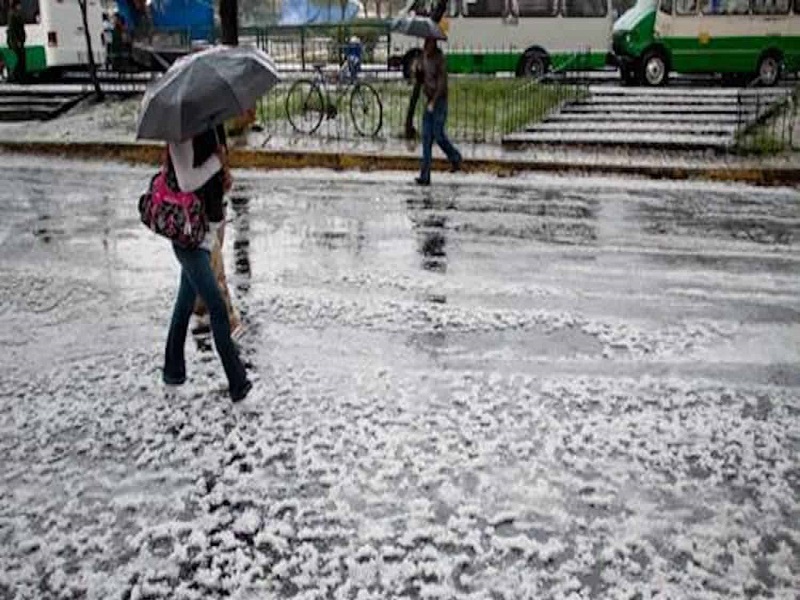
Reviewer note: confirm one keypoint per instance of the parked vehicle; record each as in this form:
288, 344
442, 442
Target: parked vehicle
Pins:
524, 37
759, 37
55, 37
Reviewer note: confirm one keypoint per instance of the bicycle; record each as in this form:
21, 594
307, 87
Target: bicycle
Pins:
309, 100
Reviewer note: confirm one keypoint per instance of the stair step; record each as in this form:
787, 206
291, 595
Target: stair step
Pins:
635, 127
651, 108
658, 140
666, 101
34, 101
23, 114
645, 117
667, 92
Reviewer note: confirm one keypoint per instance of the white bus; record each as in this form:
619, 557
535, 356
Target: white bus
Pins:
54, 34
524, 37
758, 37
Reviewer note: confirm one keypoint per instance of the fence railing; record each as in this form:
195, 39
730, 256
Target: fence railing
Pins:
480, 109
767, 120
302, 46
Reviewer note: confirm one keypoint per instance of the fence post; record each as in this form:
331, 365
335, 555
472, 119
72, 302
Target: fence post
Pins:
302, 48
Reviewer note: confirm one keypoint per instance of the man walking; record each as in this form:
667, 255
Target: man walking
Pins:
15, 38
434, 85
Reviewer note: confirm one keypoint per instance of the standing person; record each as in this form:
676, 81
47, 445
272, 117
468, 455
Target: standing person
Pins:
199, 165
434, 85
15, 38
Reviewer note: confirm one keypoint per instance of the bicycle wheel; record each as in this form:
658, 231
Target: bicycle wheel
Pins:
305, 106
366, 109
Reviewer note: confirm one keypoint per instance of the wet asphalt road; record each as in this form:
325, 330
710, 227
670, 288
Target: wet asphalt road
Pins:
538, 387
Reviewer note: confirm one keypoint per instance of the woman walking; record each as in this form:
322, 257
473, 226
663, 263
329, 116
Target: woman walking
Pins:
199, 165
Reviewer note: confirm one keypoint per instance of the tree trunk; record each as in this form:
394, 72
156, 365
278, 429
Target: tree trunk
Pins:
229, 20
98, 92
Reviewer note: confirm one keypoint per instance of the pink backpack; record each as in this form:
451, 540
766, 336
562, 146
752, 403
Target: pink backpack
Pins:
179, 216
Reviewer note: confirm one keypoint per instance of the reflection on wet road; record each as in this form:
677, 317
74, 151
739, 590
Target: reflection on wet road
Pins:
529, 388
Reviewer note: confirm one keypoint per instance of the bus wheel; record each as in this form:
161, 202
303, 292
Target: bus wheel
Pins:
654, 68
409, 61
769, 69
533, 64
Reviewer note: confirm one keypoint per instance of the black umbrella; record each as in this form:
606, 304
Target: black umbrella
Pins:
201, 90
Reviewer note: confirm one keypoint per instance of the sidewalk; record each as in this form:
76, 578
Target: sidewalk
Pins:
108, 130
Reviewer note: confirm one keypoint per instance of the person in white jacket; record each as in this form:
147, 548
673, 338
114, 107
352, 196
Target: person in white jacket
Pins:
199, 165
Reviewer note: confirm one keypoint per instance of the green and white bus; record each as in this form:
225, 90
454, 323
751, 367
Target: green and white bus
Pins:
524, 37
759, 37
54, 35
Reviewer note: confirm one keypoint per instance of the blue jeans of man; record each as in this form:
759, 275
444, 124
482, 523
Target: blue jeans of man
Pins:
197, 278
433, 131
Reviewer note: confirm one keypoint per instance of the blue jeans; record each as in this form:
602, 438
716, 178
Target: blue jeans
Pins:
197, 277
433, 130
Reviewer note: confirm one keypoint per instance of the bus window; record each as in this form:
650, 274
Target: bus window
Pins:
585, 8
30, 10
725, 7
537, 8
686, 7
484, 8
771, 7
666, 6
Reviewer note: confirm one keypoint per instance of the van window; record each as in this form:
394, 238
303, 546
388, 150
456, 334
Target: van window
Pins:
484, 8
771, 7
536, 8
585, 8
30, 10
726, 7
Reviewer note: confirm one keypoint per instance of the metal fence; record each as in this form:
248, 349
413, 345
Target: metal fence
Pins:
300, 47
480, 109
767, 120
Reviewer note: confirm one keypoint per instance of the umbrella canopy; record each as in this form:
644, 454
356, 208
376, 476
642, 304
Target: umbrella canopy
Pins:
418, 26
204, 89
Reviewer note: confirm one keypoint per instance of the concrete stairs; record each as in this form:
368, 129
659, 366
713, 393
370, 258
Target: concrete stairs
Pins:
18, 103
652, 118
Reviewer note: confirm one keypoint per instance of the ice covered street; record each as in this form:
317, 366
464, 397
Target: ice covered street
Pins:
489, 389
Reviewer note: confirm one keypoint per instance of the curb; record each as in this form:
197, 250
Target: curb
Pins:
140, 153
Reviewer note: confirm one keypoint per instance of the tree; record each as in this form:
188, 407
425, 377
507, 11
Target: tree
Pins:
229, 20
98, 92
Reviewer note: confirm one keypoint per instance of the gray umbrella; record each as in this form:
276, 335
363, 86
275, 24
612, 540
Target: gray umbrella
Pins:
418, 26
204, 89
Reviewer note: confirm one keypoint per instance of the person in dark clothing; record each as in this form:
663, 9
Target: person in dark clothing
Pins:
434, 85
436, 14
15, 38
199, 165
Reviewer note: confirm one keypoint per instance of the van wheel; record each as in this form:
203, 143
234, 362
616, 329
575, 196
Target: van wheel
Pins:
533, 64
769, 69
654, 69
409, 63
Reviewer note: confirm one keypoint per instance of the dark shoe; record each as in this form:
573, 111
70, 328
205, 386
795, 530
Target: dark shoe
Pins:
242, 394
455, 167
421, 181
